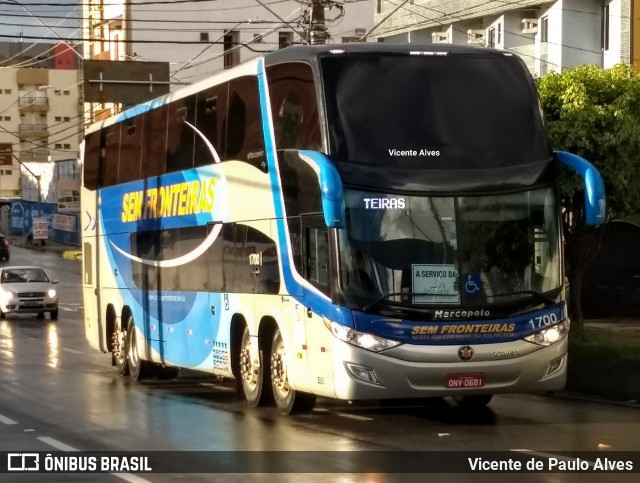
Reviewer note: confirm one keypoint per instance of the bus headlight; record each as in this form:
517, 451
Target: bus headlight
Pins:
550, 335
361, 339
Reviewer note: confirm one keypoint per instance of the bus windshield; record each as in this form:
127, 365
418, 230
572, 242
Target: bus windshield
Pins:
429, 251
447, 111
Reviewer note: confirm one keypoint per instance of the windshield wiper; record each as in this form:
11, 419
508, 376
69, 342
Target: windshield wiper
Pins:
539, 295
391, 294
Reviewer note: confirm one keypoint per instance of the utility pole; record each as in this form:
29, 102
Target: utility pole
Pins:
318, 27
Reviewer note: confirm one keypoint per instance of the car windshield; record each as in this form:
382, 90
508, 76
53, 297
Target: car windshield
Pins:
473, 250
24, 275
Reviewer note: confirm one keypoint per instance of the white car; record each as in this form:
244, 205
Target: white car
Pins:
27, 289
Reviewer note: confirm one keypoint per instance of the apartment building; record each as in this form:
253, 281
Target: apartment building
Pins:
41, 122
547, 35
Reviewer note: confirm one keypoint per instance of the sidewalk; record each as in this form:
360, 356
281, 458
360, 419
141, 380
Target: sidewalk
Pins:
625, 326
69, 252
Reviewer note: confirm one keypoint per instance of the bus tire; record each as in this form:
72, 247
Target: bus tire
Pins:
251, 376
120, 348
287, 400
138, 368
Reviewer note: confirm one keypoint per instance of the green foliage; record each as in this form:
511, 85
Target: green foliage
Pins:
595, 113
605, 363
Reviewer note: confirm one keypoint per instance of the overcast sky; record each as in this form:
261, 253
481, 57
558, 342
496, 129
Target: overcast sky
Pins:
52, 21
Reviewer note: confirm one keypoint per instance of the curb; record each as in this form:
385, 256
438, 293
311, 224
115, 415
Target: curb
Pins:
67, 254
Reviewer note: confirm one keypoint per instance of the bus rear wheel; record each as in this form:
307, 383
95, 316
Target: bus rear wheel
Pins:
138, 368
288, 400
251, 372
119, 349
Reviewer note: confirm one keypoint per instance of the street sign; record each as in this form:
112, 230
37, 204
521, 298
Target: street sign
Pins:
125, 82
40, 229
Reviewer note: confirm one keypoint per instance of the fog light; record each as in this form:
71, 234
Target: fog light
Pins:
552, 367
364, 373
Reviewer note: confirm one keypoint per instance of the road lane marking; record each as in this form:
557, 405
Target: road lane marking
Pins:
130, 477
57, 444
6, 420
354, 416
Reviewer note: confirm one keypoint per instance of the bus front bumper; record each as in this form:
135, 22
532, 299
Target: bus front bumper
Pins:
401, 372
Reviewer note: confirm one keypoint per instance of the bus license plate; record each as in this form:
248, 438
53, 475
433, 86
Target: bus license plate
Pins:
464, 381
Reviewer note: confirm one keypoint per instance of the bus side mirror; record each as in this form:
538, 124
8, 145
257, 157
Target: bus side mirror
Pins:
594, 195
331, 190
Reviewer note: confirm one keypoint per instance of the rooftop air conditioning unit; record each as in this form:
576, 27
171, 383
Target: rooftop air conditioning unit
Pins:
475, 36
529, 25
440, 38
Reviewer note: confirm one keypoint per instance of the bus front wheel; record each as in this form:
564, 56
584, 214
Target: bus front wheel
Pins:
288, 400
251, 372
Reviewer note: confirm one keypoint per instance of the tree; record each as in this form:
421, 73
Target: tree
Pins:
595, 113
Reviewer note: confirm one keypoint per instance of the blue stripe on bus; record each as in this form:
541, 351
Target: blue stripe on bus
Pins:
315, 302
454, 332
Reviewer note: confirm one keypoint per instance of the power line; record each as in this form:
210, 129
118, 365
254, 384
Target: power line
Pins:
125, 4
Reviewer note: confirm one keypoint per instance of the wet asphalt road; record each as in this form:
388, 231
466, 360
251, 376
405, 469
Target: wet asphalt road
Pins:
58, 394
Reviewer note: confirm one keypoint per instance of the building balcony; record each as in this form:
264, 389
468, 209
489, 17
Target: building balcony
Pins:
33, 130
33, 104
37, 154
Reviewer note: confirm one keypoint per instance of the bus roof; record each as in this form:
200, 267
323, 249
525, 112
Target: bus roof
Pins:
311, 52
300, 53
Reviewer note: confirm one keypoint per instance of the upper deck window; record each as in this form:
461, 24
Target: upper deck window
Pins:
294, 106
432, 111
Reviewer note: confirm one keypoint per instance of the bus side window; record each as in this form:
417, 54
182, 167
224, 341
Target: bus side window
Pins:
131, 149
316, 245
91, 162
111, 163
154, 142
294, 106
211, 109
244, 136
180, 137
236, 121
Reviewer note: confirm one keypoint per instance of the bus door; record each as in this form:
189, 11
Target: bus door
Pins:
94, 329
315, 239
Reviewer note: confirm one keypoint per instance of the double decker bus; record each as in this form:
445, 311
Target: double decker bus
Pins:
361, 221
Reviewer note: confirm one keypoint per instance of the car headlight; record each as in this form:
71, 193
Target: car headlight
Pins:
51, 293
550, 335
361, 339
7, 296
